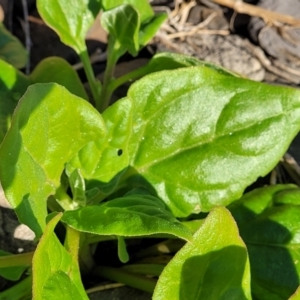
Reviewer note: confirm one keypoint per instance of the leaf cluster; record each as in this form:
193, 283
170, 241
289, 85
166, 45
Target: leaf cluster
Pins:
169, 162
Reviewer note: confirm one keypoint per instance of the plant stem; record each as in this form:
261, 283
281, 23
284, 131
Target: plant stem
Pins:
84, 57
86, 260
112, 59
119, 275
16, 260
72, 243
21, 290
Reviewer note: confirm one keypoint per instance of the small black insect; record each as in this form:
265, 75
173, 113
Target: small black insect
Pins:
120, 152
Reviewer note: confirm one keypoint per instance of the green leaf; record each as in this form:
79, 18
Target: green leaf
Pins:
196, 137
169, 61
11, 49
271, 234
103, 161
11, 273
56, 69
134, 215
77, 185
149, 28
13, 85
225, 131
122, 23
214, 265
49, 127
142, 6
55, 273
70, 19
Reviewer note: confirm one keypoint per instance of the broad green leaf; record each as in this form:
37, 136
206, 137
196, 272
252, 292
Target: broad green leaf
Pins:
199, 137
11, 273
55, 273
70, 19
134, 215
149, 28
142, 6
56, 69
214, 265
103, 161
13, 85
225, 131
11, 49
49, 126
271, 234
122, 23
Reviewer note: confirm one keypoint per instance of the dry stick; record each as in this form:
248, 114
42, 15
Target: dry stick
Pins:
255, 11
266, 63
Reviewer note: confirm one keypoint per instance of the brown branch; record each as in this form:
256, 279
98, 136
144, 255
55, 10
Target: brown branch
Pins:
255, 11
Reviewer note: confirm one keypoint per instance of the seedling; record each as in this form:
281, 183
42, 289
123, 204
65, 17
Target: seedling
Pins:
170, 160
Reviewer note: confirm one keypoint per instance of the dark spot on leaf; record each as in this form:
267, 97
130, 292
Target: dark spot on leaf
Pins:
120, 152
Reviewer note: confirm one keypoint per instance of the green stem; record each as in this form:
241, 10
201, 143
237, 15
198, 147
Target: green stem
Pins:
119, 275
16, 260
72, 243
84, 57
112, 59
21, 290
86, 260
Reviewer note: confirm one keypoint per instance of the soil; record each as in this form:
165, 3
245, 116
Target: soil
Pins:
246, 45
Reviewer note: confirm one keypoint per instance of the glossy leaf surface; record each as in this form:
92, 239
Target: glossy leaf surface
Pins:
214, 265
213, 126
11, 49
49, 126
122, 23
134, 215
13, 85
270, 230
192, 133
70, 19
58, 70
55, 273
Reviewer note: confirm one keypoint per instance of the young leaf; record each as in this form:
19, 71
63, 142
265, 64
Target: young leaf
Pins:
149, 28
55, 273
13, 85
11, 49
214, 265
103, 161
122, 23
142, 6
271, 234
49, 126
134, 215
70, 19
56, 69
